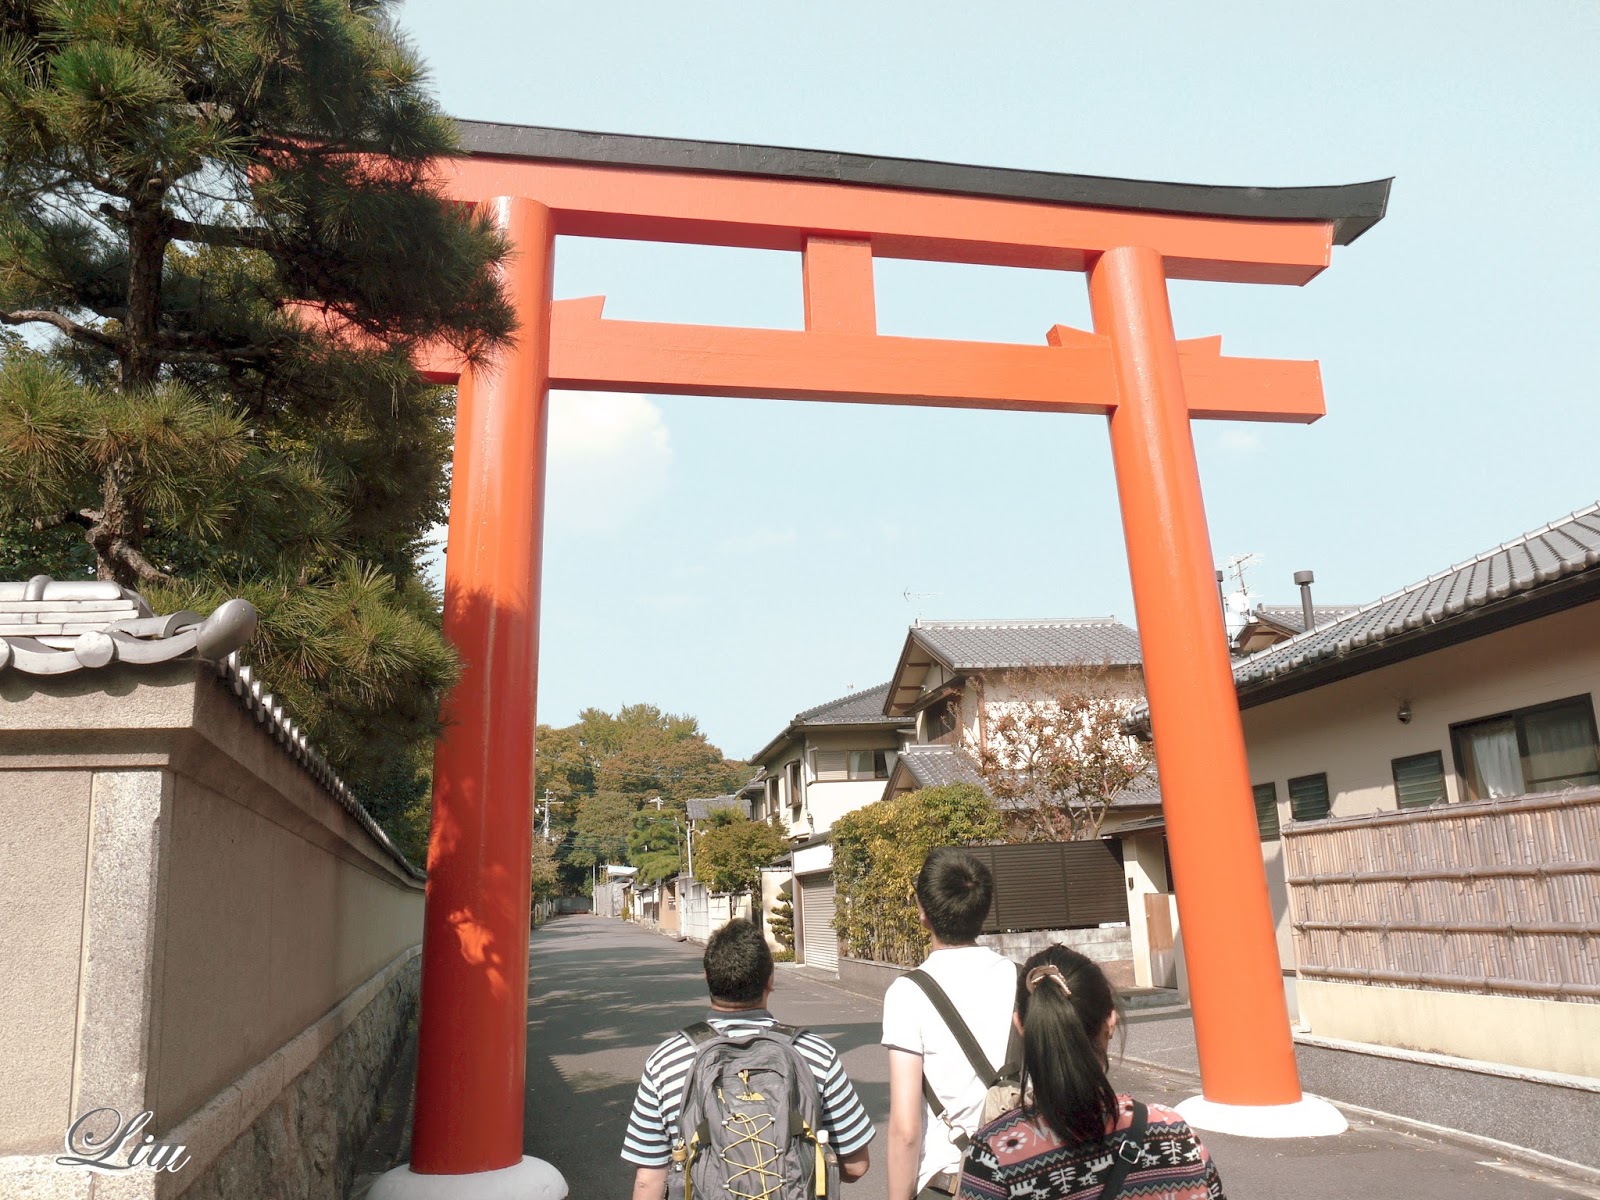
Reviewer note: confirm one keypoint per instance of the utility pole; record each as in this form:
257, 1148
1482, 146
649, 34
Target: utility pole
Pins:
547, 814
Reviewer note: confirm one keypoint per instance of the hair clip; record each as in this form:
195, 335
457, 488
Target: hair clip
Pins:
1048, 971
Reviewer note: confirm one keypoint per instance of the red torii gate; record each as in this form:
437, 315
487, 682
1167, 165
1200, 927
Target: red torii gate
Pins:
839, 212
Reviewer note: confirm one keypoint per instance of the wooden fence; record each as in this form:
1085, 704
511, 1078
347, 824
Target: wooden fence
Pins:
1495, 896
1055, 885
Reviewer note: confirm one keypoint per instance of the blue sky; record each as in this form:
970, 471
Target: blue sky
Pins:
742, 560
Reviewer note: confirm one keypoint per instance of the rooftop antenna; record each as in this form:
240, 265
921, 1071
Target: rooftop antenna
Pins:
914, 597
1238, 563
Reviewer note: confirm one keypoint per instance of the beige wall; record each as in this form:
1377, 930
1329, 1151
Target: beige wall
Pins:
266, 929
1145, 869
1543, 1035
44, 829
178, 898
1349, 728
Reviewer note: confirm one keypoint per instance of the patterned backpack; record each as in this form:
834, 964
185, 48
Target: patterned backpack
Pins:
751, 1121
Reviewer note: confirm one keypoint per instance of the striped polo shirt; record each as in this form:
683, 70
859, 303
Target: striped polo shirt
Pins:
652, 1125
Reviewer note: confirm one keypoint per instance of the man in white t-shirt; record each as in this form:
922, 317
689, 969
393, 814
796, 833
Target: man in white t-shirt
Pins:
953, 889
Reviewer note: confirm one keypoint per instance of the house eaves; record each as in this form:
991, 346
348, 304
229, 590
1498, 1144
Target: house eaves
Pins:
861, 710
1545, 571
961, 647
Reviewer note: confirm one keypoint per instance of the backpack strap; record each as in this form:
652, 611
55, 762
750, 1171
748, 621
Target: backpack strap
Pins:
979, 1062
699, 1033
981, 1066
792, 1032
1125, 1152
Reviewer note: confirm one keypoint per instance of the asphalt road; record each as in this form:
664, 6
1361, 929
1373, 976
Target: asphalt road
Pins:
603, 994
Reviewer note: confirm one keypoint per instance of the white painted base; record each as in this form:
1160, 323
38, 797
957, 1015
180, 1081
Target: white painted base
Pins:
1310, 1116
530, 1179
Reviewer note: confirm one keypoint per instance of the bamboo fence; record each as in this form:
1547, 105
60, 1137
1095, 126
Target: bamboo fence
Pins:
1495, 896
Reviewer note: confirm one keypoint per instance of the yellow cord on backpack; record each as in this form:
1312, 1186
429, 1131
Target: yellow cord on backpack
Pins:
822, 1164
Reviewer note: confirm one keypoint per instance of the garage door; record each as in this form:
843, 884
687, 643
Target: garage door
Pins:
816, 916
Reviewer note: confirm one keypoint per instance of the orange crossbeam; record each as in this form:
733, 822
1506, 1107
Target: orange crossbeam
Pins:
1073, 374
782, 214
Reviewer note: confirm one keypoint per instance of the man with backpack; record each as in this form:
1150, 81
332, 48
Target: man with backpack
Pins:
738, 1105
948, 1029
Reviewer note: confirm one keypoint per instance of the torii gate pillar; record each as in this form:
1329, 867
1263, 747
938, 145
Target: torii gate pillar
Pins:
1235, 993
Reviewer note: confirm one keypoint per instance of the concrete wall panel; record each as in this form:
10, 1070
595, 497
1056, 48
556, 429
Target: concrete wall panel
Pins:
44, 835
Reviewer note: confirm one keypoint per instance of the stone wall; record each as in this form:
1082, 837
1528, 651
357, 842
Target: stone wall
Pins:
1112, 948
306, 1142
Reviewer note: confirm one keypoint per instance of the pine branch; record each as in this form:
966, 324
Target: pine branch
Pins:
81, 333
237, 237
85, 517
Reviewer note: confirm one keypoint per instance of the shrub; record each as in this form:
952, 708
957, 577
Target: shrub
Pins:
877, 852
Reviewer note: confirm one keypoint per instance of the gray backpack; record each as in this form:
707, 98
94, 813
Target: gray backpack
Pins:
751, 1121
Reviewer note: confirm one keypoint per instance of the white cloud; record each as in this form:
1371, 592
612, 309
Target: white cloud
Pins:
1239, 440
610, 455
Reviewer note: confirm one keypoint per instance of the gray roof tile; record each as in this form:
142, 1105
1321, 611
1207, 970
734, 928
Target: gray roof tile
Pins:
858, 708
976, 645
1554, 552
1292, 617
701, 809
1547, 555
937, 766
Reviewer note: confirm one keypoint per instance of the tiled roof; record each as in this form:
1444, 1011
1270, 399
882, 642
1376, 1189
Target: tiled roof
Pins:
1548, 555
699, 810
1291, 618
975, 645
937, 766
858, 708
56, 627
1535, 560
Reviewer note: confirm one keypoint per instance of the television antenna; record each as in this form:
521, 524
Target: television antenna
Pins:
1235, 566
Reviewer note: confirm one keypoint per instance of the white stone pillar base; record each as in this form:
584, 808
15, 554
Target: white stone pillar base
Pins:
530, 1179
1310, 1116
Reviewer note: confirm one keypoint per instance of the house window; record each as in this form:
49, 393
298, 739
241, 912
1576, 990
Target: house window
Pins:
1539, 749
1266, 796
1308, 797
791, 778
836, 766
939, 723
1419, 779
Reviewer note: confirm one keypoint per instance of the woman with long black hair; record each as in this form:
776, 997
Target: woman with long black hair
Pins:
1074, 1136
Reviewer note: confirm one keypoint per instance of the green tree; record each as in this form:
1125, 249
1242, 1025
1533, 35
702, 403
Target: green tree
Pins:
221, 237
877, 852
600, 832
781, 923
546, 879
729, 855
655, 845
640, 753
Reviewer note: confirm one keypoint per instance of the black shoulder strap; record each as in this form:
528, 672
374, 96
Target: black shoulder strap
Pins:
1126, 1149
699, 1033
792, 1032
981, 1066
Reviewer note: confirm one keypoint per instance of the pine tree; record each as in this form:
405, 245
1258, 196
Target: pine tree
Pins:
220, 241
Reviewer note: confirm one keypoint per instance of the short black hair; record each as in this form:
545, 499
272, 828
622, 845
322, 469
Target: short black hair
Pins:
955, 888
738, 963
